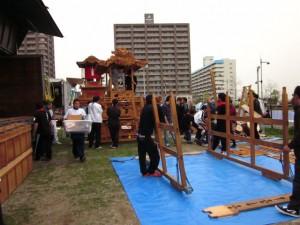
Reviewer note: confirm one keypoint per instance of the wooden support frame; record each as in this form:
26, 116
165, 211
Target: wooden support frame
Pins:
253, 142
244, 98
181, 182
212, 78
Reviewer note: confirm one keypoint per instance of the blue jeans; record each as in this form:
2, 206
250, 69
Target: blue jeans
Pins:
166, 137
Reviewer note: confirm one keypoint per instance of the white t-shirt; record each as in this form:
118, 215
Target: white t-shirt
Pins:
73, 111
199, 117
95, 110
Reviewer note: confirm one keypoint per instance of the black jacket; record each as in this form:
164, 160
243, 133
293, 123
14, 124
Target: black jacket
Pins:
113, 113
221, 123
42, 118
147, 121
295, 142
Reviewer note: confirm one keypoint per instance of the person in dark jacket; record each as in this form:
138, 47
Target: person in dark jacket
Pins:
129, 82
113, 122
146, 144
221, 123
161, 114
43, 132
180, 112
187, 122
293, 207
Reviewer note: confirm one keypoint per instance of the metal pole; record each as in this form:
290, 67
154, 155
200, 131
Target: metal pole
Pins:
261, 80
258, 79
144, 70
144, 82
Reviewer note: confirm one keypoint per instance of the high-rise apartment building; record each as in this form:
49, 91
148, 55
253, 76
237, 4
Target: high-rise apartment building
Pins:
166, 47
40, 44
224, 75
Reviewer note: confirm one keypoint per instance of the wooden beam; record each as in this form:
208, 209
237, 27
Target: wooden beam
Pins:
235, 208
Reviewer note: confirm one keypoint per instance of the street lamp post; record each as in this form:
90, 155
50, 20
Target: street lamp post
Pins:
261, 80
166, 89
144, 81
257, 81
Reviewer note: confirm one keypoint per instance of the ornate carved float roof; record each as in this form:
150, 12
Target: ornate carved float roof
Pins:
121, 58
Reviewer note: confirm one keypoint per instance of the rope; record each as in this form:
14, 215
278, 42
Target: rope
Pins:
188, 182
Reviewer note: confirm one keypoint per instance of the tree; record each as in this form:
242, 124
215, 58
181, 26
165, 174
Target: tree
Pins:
272, 94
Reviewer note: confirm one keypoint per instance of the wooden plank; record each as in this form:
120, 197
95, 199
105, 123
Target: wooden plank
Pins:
235, 208
14, 173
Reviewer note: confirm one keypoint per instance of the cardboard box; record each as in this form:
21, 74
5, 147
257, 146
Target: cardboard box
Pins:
77, 126
74, 117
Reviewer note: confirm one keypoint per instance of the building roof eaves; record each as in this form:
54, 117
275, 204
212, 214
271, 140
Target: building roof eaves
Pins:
31, 13
220, 61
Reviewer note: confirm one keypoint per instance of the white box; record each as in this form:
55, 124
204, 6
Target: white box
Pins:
77, 126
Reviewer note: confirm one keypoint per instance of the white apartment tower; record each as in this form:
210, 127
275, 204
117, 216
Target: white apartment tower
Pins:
166, 47
224, 74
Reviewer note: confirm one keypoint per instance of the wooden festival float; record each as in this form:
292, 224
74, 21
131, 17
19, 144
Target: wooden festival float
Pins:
97, 77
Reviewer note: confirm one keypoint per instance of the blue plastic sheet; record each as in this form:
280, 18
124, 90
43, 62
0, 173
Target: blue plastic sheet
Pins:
215, 182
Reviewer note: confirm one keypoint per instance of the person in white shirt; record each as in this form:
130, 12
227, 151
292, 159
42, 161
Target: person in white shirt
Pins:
95, 112
77, 138
199, 119
53, 121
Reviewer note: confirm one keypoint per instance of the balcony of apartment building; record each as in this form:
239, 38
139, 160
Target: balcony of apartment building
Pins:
183, 50
168, 61
167, 39
138, 28
182, 44
123, 28
151, 27
139, 45
138, 34
167, 34
154, 50
168, 55
167, 50
140, 40
167, 27
183, 66
182, 30
123, 34
123, 40
138, 50
152, 34
153, 55
181, 34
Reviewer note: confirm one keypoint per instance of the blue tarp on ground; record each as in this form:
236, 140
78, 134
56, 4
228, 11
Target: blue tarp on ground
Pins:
215, 182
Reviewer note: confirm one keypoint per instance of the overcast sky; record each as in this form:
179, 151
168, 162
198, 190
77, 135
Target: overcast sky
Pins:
235, 29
